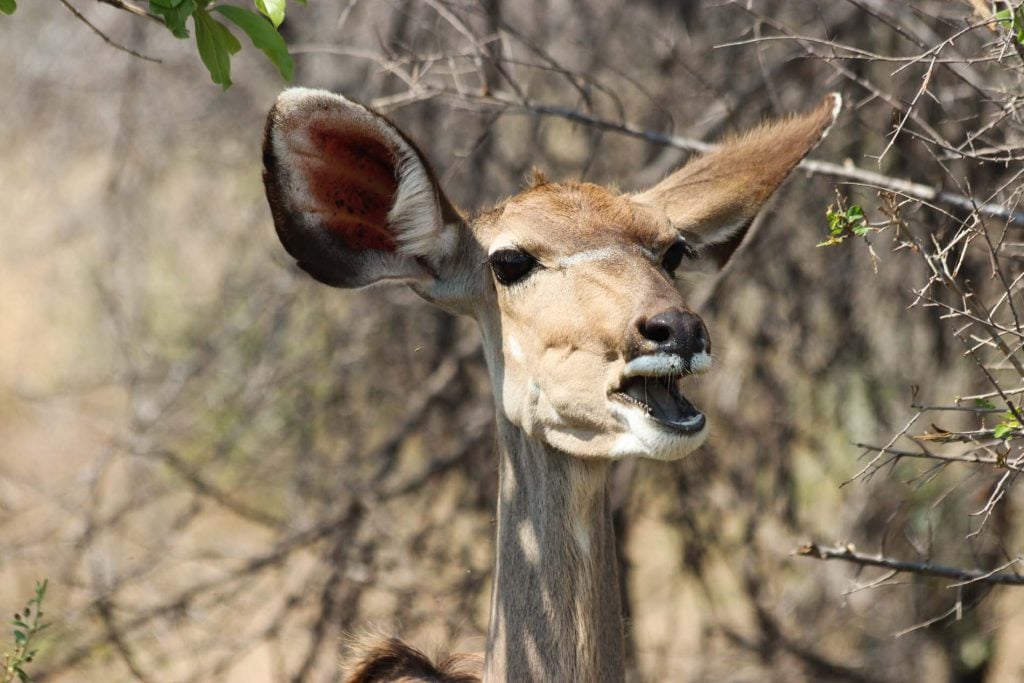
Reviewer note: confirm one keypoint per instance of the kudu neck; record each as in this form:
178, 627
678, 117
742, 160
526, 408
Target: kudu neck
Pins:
555, 608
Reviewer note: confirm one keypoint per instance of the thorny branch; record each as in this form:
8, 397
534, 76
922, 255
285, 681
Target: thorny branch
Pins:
962, 576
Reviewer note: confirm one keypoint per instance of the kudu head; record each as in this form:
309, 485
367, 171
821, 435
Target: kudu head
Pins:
586, 335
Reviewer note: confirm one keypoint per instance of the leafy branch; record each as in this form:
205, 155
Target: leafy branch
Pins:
1011, 19
844, 221
1009, 427
215, 41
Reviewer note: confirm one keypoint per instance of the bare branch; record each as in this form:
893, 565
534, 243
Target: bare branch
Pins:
848, 554
970, 457
107, 39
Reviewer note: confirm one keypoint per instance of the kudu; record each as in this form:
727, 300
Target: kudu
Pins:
585, 334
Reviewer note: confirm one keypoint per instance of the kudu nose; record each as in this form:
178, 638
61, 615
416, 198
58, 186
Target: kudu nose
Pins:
674, 331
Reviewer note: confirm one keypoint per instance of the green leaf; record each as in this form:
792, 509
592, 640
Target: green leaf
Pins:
984, 403
1002, 430
1012, 21
272, 9
174, 13
263, 35
20, 638
8, 6
216, 45
845, 222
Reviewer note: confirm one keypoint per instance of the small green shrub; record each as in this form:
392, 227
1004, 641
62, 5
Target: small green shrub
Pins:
27, 625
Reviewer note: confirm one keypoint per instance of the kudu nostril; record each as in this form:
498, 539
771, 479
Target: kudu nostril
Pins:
675, 331
656, 330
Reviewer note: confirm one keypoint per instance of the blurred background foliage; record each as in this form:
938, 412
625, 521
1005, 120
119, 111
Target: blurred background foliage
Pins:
223, 467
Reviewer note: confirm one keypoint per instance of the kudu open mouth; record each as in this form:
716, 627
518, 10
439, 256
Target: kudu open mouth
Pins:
651, 383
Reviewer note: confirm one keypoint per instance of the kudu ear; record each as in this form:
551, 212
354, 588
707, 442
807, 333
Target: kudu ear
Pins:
353, 200
713, 199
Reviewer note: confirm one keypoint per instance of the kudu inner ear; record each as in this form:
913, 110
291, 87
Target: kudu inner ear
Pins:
353, 200
714, 198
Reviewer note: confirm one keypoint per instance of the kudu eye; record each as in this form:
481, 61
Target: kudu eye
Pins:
511, 265
674, 255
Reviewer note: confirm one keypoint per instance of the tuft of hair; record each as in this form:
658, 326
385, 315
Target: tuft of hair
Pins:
376, 659
537, 178
415, 216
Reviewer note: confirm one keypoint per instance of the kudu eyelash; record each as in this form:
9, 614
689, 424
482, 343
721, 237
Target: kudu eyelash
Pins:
673, 256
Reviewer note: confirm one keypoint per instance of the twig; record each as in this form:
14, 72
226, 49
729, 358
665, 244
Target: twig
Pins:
872, 466
910, 108
623, 127
112, 43
957, 606
970, 458
132, 9
848, 554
